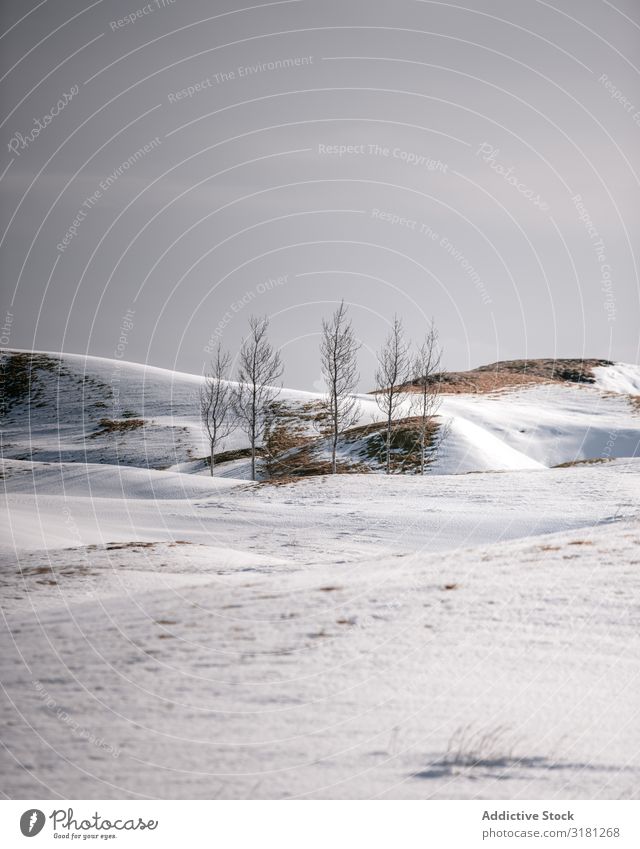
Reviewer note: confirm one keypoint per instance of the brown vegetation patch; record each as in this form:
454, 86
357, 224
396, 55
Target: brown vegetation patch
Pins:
304, 462
20, 377
405, 443
228, 456
588, 462
108, 426
290, 454
511, 374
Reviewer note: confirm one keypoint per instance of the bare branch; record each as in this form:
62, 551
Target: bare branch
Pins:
426, 401
338, 359
216, 403
259, 370
394, 368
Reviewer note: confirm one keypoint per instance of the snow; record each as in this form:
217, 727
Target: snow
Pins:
537, 426
468, 634
62, 422
342, 667
471, 447
620, 377
548, 424
48, 506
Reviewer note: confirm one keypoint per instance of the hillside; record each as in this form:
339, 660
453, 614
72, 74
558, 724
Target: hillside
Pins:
508, 374
93, 410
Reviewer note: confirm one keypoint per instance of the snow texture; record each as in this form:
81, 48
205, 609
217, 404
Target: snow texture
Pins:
458, 635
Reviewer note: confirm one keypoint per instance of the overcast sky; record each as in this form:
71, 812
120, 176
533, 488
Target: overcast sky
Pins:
189, 163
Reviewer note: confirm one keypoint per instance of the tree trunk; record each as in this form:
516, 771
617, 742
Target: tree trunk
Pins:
336, 424
253, 460
334, 464
388, 470
211, 461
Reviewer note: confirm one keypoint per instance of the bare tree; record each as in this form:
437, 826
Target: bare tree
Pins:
394, 368
338, 353
216, 403
259, 370
426, 401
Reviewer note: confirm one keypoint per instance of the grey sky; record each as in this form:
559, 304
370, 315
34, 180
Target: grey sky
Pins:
469, 130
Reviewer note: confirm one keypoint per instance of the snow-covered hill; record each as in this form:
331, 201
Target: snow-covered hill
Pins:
70, 408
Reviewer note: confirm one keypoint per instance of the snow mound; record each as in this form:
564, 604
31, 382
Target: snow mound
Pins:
549, 424
620, 377
96, 480
468, 447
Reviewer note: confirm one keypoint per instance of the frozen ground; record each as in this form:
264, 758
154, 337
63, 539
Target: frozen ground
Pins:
455, 636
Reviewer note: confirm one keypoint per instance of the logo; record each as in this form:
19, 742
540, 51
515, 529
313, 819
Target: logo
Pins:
32, 822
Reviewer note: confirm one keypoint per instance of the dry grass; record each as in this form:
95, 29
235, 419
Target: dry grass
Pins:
405, 443
108, 426
591, 461
511, 374
22, 377
470, 748
229, 456
291, 454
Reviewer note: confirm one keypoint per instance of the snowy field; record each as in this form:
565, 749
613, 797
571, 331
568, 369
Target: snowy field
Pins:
461, 635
